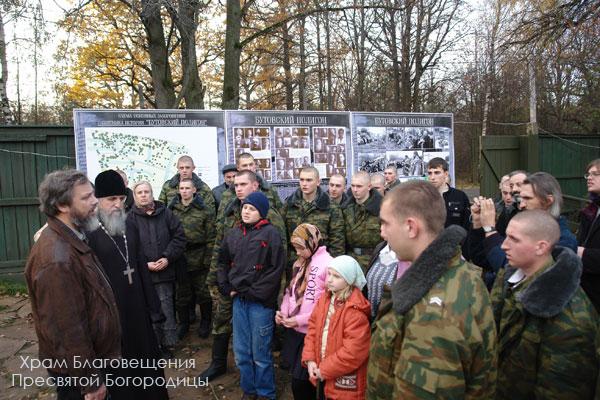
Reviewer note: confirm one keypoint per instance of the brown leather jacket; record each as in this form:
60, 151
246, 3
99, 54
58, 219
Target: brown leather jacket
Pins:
74, 309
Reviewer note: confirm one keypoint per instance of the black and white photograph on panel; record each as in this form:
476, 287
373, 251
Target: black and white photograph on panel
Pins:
370, 138
409, 163
428, 155
292, 152
441, 139
255, 141
289, 137
402, 139
329, 149
371, 162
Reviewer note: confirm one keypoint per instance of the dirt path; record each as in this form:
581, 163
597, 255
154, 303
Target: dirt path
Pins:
18, 341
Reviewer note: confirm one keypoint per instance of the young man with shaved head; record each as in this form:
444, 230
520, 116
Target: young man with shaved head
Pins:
378, 183
390, 173
546, 324
436, 338
337, 189
185, 170
246, 162
361, 219
309, 204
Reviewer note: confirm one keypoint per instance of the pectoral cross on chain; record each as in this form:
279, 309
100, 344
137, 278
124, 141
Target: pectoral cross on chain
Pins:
128, 272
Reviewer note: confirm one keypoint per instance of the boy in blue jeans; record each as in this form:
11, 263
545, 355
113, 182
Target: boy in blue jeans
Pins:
250, 265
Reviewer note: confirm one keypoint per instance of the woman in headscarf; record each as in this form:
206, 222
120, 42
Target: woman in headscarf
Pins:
308, 283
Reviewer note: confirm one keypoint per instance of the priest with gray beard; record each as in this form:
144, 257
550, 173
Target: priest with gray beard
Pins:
117, 246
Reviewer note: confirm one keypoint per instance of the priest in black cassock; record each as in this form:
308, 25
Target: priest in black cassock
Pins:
116, 245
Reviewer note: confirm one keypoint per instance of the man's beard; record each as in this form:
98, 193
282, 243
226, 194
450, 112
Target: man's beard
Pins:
113, 222
86, 222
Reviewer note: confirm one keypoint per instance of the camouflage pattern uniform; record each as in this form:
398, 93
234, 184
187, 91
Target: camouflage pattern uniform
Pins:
321, 212
170, 189
362, 228
392, 185
198, 222
436, 338
547, 330
264, 186
229, 217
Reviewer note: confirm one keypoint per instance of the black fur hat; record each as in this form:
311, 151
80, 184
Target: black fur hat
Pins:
109, 183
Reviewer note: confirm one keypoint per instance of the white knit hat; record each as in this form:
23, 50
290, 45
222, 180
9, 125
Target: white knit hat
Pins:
350, 270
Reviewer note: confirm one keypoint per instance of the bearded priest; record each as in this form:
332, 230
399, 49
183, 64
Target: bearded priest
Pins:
117, 245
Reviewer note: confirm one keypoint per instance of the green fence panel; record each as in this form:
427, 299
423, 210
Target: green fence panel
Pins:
27, 154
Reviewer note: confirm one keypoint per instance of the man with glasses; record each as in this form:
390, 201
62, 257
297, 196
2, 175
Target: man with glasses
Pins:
588, 237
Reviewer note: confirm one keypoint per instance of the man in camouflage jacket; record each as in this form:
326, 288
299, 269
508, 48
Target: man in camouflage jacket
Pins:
245, 162
245, 182
361, 219
198, 222
547, 326
436, 339
310, 205
185, 168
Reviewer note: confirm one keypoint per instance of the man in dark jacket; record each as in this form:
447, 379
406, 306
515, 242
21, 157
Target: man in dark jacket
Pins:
588, 236
163, 242
74, 309
457, 202
547, 326
229, 172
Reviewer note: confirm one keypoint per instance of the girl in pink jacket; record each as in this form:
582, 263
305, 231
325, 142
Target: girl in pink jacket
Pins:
307, 285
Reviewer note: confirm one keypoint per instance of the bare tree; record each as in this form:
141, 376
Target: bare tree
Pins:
5, 114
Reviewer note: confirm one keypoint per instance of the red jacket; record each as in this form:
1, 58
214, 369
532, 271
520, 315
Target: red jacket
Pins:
344, 367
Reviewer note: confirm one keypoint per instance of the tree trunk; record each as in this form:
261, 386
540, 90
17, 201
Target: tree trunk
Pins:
533, 124
302, 99
492, 69
231, 75
162, 80
405, 64
5, 114
361, 62
287, 68
192, 89
319, 61
395, 61
328, 61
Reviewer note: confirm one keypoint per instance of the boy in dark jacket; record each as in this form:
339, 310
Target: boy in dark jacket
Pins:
250, 265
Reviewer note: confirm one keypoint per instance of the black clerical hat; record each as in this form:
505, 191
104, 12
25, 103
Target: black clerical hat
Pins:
109, 183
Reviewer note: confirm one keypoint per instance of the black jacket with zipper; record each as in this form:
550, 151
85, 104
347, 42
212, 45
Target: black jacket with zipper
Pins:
251, 261
161, 235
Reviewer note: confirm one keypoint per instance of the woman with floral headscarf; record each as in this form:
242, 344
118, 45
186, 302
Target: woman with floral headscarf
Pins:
308, 283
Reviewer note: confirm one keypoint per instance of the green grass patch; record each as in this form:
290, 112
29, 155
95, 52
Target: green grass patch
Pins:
12, 288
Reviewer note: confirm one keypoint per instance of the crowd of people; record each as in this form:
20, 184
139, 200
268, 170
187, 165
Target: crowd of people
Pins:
379, 290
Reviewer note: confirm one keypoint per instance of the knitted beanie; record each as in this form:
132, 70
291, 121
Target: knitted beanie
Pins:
260, 202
